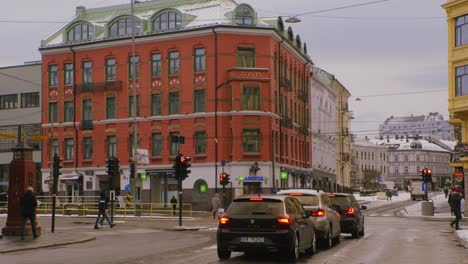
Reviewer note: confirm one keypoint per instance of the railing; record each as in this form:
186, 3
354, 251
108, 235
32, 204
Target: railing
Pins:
99, 86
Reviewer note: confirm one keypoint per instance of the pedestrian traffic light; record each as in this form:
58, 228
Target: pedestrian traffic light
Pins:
184, 163
116, 166
110, 166
177, 167
426, 175
224, 178
56, 171
132, 170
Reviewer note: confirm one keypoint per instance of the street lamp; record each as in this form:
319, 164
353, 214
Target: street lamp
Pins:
293, 19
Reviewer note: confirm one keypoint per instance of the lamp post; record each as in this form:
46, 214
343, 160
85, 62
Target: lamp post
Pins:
134, 105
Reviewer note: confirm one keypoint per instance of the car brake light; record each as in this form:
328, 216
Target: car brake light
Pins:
284, 220
350, 211
331, 195
319, 212
256, 199
223, 220
295, 194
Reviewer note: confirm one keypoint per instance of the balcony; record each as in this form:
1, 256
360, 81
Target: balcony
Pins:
286, 83
86, 125
287, 122
99, 86
304, 130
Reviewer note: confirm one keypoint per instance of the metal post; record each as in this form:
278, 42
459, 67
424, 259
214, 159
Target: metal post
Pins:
134, 105
179, 183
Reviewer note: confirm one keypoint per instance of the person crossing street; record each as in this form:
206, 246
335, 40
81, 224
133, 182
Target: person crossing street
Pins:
103, 201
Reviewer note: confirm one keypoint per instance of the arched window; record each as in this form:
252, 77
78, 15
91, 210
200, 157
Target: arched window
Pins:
81, 31
123, 27
167, 21
244, 16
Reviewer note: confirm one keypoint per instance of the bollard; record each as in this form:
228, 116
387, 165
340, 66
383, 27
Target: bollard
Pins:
427, 208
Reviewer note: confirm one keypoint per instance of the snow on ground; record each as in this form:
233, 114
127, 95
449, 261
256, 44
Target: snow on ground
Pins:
380, 199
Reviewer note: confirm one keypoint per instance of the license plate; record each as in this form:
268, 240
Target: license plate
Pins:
252, 239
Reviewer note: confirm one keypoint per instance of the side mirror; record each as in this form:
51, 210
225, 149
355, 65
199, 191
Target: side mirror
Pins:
363, 207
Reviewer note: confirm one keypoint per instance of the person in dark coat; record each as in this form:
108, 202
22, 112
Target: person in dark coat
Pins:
174, 204
446, 191
28, 204
103, 200
456, 206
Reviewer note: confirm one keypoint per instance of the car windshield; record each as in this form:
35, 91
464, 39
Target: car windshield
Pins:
308, 200
258, 207
341, 201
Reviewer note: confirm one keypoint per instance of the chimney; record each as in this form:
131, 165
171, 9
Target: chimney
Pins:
80, 10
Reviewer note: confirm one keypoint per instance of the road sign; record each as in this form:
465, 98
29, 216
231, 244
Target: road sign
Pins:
127, 188
424, 187
39, 137
3, 135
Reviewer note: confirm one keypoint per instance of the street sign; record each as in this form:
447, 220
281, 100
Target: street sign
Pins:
253, 178
127, 188
424, 187
39, 137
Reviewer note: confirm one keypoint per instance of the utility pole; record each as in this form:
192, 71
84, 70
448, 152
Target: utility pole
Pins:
134, 105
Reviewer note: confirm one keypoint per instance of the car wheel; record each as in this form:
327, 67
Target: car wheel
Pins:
328, 241
223, 253
362, 231
293, 254
313, 246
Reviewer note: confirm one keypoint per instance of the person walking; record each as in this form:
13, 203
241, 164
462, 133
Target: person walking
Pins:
28, 204
174, 204
389, 195
449, 200
456, 206
102, 206
446, 190
215, 204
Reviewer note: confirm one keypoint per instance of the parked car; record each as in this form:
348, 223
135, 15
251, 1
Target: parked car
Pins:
270, 223
352, 219
325, 218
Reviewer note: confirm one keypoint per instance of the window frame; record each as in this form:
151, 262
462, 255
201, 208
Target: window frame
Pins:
174, 63
68, 111
246, 57
80, 32
164, 18
244, 16
156, 104
156, 65
111, 109
87, 109
247, 137
137, 67
199, 60
123, 26
69, 149
53, 75
200, 141
87, 148
460, 28
30, 100
68, 74
53, 112
174, 103
251, 97
199, 100
156, 144
111, 69
130, 105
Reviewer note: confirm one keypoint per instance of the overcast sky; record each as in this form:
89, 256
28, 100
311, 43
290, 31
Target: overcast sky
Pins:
391, 47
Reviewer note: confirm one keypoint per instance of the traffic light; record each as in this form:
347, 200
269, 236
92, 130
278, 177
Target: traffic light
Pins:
427, 175
116, 166
132, 170
181, 165
177, 167
56, 170
224, 178
110, 166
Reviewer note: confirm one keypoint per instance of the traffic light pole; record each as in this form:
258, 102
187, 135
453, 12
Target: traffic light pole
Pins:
179, 183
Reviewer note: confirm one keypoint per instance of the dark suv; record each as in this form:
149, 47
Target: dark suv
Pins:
352, 219
269, 223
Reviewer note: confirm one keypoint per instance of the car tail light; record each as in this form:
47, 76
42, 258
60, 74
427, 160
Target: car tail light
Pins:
350, 211
284, 220
331, 195
223, 220
256, 199
319, 212
295, 194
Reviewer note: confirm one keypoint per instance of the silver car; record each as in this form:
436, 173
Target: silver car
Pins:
325, 218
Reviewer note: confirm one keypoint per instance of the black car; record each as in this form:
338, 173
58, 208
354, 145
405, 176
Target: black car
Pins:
268, 223
352, 219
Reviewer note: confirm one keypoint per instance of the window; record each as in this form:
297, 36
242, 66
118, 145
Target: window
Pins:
87, 148
68, 74
156, 149
406, 158
199, 60
131, 112
68, 111
173, 103
461, 30
53, 112
174, 145
79, 32
244, 16
124, 27
156, 65
111, 146
53, 75
173, 62
29, 100
87, 72
156, 106
69, 149
87, 109
110, 70
199, 103
406, 169
110, 107
251, 140
250, 98
246, 57
136, 68
396, 158
200, 142
168, 20
461, 80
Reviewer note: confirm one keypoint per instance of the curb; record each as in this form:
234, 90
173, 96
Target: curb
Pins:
186, 228
47, 245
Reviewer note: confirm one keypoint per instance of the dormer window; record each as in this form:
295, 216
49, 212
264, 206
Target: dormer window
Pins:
123, 27
167, 21
244, 16
80, 31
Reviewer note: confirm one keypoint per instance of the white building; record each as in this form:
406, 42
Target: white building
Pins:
369, 159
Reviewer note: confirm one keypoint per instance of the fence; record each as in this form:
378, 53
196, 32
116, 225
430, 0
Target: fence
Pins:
88, 205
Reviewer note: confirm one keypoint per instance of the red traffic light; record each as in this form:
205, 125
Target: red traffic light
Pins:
428, 171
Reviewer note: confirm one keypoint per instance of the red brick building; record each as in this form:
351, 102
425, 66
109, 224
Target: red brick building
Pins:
234, 86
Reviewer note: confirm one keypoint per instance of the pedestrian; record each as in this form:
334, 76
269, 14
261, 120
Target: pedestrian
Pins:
28, 204
450, 201
102, 207
174, 204
389, 195
456, 204
446, 190
215, 204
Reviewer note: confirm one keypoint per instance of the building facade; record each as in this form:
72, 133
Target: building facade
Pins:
233, 85
343, 142
369, 163
431, 126
20, 108
324, 129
